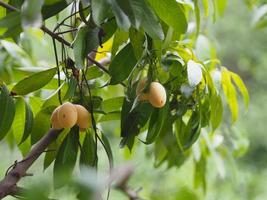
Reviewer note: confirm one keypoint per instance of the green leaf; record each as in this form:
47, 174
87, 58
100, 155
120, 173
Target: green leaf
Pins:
10, 20
156, 123
7, 111
107, 149
25, 147
53, 148
110, 117
122, 65
40, 126
72, 85
149, 21
51, 9
230, 93
85, 41
206, 7
93, 72
121, 18
137, 39
100, 11
66, 158
172, 13
241, 86
180, 132
216, 111
88, 151
19, 120
17, 53
34, 82
221, 5
119, 38
112, 104
31, 13
28, 122
197, 15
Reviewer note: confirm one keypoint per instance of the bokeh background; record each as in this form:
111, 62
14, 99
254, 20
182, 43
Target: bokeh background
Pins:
243, 49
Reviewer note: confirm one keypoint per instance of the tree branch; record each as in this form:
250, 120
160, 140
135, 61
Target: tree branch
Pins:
55, 36
9, 184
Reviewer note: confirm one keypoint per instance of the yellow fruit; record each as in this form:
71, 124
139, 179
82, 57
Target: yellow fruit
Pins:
67, 115
139, 90
157, 95
83, 117
54, 120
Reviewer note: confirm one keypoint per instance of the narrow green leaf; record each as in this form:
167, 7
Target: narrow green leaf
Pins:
112, 104
28, 122
149, 20
137, 39
206, 7
93, 72
121, 18
120, 37
10, 20
230, 93
216, 111
19, 120
25, 147
172, 13
85, 41
122, 65
241, 86
100, 11
200, 173
156, 123
110, 117
88, 152
66, 158
40, 126
53, 148
54, 7
72, 85
197, 15
34, 82
107, 149
7, 111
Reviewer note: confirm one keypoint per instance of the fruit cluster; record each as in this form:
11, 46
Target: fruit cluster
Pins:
156, 95
68, 114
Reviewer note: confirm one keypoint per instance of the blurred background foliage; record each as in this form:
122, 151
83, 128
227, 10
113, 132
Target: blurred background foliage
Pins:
242, 48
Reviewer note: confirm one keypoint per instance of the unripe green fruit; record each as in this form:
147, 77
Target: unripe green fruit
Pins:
54, 120
67, 115
157, 95
139, 90
83, 117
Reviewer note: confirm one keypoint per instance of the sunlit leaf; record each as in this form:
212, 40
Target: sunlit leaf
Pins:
241, 86
34, 82
7, 111
230, 93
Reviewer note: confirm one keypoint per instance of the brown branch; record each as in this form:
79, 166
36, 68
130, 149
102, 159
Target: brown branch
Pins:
55, 36
9, 184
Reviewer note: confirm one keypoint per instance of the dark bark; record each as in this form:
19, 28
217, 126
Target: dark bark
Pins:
8, 186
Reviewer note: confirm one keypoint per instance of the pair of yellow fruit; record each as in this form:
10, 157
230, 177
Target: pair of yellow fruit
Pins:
68, 114
156, 94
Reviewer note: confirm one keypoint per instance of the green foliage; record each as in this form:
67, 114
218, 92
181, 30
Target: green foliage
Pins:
139, 39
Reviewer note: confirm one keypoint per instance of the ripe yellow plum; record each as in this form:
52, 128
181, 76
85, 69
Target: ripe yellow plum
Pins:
157, 95
54, 120
67, 115
83, 117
